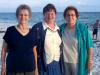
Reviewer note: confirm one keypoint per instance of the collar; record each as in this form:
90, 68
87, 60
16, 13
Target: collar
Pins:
45, 26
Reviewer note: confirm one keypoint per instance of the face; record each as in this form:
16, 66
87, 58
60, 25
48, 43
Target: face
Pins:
71, 17
23, 16
97, 21
50, 16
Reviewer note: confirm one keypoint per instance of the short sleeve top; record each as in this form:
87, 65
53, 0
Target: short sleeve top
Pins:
20, 56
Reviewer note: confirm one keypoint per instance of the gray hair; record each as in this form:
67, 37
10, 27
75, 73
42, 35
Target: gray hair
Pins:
21, 7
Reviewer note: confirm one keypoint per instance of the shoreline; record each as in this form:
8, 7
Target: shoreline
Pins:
96, 52
2, 31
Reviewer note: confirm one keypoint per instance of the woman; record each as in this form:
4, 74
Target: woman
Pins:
48, 42
18, 43
77, 44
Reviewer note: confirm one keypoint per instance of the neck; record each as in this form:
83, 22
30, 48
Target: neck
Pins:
23, 26
71, 26
51, 24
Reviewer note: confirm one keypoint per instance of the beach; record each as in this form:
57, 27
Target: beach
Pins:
86, 18
96, 52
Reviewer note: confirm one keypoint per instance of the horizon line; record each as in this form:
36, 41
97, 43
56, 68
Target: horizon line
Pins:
58, 12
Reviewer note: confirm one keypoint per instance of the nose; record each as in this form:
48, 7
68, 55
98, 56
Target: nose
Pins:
22, 16
69, 16
49, 15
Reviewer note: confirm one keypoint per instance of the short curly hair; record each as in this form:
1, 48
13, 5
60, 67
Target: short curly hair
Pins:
21, 7
70, 8
49, 7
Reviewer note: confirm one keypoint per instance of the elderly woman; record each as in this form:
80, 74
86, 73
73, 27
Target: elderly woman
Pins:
48, 42
18, 42
77, 44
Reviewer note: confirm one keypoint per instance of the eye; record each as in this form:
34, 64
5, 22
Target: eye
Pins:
26, 15
23, 15
52, 13
70, 15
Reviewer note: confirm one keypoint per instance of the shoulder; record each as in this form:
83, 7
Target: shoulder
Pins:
81, 26
8, 33
37, 25
62, 27
10, 28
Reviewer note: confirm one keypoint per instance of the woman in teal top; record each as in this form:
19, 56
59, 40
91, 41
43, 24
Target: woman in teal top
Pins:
77, 44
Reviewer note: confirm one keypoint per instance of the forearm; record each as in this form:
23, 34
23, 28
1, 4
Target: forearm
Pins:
35, 56
90, 58
3, 52
3, 56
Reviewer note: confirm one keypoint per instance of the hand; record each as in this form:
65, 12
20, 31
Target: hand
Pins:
3, 70
36, 72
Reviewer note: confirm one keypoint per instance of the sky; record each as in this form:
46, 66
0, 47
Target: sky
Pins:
37, 5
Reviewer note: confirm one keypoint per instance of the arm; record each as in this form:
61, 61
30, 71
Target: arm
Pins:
35, 56
89, 44
90, 59
3, 56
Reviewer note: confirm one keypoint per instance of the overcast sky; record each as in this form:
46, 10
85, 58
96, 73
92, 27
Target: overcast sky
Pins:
37, 5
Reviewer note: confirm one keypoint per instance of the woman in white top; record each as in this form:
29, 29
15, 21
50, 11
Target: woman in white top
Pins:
49, 43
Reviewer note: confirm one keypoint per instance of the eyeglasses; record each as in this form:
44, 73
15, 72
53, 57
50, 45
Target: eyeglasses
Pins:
70, 15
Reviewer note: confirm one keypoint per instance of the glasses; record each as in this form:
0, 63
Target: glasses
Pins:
70, 15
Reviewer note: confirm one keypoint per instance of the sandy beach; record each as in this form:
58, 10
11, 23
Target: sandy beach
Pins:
96, 51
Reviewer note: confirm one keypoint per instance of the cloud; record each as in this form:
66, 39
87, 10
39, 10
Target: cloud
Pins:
8, 5
39, 4
14, 3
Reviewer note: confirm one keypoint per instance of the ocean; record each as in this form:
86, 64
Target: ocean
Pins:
88, 18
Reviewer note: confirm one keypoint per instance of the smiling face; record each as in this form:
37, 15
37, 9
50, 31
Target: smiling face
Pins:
23, 16
71, 17
49, 16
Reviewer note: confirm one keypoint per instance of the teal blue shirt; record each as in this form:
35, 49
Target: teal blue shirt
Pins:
84, 43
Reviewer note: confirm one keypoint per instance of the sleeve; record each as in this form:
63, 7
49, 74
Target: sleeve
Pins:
6, 35
89, 40
35, 36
